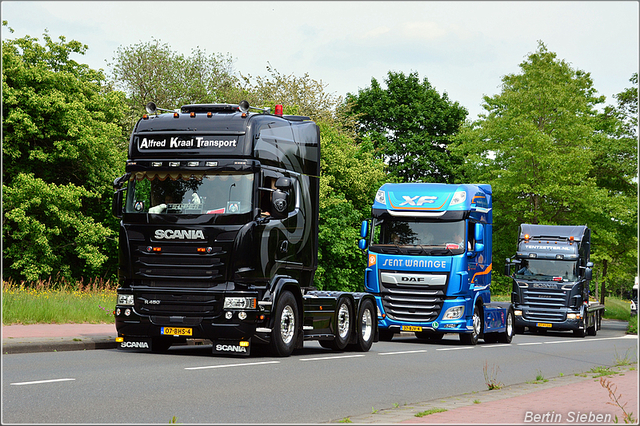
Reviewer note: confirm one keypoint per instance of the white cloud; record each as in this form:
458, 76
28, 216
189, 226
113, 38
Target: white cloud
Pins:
462, 48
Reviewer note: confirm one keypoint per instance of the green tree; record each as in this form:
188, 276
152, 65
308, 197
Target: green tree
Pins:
411, 126
537, 146
301, 95
615, 170
152, 72
349, 180
62, 146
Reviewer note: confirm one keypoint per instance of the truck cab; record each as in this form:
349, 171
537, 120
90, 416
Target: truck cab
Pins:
429, 262
551, 274
219, 234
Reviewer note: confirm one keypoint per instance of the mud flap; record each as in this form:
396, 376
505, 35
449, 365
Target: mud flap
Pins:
232, 347
134, 343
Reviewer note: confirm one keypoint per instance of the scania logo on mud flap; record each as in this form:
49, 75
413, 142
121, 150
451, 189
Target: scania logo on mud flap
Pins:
230, 348
134, 345
181, 234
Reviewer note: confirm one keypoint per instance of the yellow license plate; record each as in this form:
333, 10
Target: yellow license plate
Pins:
543, 324
411, 328
176, 331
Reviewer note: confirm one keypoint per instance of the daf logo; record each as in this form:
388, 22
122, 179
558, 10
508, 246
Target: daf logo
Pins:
412, 279
418, 200
180, 234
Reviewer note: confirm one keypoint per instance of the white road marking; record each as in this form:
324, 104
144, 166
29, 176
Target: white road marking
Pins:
331, 357
402, 352
42, 381
455, 349
248, 364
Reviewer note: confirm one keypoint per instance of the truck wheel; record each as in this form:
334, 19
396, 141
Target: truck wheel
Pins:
385, 335
509, 331
364, 327
343, 325
283, 335
472, 338
581, 332
592, 331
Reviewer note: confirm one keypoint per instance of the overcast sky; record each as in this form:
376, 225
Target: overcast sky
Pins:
463, 48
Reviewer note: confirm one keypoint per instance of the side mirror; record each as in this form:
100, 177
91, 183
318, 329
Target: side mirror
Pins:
281, 197
479, 231
116, 204
507, 267
588, 274
364, 229
283, 183
479, 247
362, 244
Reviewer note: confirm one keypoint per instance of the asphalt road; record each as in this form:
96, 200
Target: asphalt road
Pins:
314, 385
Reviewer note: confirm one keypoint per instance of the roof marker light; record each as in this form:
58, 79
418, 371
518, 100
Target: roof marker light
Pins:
278, 110
176, 115
192, 115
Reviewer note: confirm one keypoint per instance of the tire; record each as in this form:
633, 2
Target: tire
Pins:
472, 338
365, 327
285, 327
507, 335
343, 325
592, 331
385, 335
581, 332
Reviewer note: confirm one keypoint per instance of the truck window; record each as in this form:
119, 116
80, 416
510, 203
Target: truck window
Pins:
427, 235
203, 193
547, 270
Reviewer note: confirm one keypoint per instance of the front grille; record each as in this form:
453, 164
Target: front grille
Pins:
412, 301
178, 264
544, 304
184, 304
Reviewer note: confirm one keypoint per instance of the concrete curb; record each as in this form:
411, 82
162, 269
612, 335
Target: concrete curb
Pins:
56, 344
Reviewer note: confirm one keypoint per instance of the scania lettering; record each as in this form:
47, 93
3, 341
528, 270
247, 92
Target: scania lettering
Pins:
219, 235
429, 263
551, 274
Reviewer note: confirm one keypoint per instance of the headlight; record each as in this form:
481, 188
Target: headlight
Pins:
381, 198
458, 197
239, 303
125, 299
453, 313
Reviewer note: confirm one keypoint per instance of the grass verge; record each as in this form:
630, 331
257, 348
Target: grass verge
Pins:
40, 304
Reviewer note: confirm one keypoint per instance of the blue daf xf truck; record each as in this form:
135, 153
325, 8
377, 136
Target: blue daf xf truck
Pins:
428, 252
218, 240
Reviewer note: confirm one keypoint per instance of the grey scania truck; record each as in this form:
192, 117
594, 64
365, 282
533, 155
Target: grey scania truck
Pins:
219, 211
551, 274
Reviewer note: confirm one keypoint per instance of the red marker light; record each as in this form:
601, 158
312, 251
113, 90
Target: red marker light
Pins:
176, 115
278, 110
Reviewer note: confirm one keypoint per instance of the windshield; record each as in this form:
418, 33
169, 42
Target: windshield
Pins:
548, 270
193, 193
398, 236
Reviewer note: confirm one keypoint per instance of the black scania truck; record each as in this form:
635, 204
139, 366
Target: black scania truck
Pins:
219, 235
551, 274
